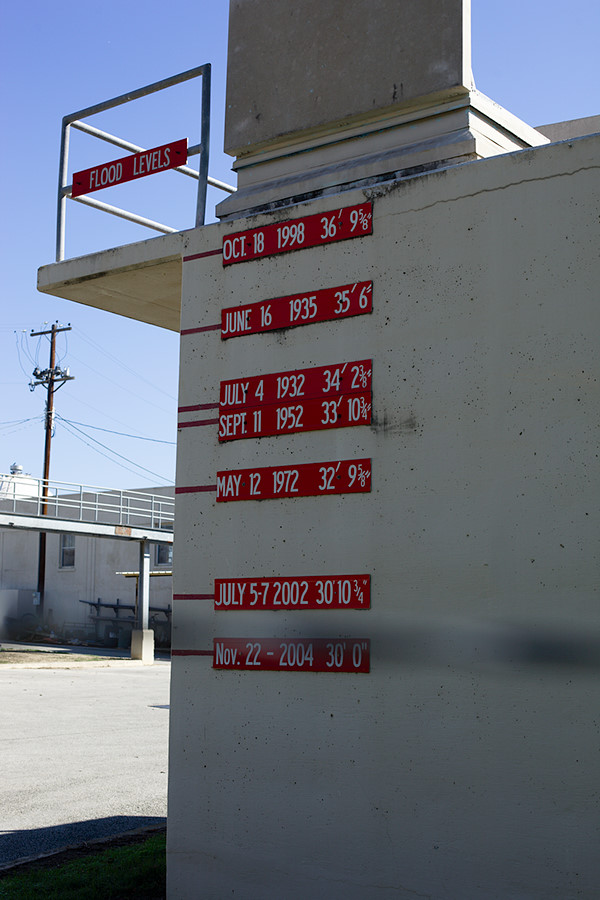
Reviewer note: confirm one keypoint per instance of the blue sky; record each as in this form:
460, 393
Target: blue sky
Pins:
539, 60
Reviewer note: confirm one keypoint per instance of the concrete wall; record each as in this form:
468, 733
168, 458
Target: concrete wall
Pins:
573, 128
293, 67
18, 560
466, 763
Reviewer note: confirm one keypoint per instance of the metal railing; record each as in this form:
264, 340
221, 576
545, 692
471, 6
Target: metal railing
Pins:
86, 503
202, 149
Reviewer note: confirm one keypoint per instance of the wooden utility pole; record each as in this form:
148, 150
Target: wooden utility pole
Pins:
48, 378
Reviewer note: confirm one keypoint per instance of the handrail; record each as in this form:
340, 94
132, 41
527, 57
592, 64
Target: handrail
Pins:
87, 503
73, 120
134, 148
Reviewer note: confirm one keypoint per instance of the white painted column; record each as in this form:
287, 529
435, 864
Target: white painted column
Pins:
142, 638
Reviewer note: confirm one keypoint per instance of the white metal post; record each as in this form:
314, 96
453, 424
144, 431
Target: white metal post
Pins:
142, 638
144, 586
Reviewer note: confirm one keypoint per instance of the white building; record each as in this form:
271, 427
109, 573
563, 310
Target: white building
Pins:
81, 570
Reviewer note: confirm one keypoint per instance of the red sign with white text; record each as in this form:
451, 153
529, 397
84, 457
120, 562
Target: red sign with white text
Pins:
293, 593
344, 411
293, 654
138, 165
305, 480
297, 384
298, 234
336, 396
297, 309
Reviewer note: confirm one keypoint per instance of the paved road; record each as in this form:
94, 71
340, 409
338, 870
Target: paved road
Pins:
83, 753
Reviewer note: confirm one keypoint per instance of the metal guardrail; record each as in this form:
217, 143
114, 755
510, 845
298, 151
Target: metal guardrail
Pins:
86, 503
202, 149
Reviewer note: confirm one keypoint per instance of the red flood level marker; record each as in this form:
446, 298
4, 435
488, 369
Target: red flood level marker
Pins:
293, 593
299, 234
344, 411
128, 168
344, 476
335, 396
293, 654
297, 309
296, 384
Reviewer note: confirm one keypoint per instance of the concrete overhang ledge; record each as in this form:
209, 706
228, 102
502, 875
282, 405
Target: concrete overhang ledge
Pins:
141, 281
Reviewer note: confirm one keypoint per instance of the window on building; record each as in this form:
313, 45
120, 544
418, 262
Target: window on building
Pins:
67, 551
164, 555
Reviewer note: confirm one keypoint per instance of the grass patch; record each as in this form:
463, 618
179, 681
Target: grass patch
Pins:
118, 873
13, 657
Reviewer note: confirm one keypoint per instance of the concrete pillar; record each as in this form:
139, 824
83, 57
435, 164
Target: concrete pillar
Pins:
360, 91
142, 645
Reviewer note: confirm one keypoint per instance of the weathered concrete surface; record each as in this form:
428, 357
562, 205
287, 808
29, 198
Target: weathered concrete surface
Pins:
142, 645
572, 128
296, 67
141, 281
83, 753
465, 764
432, 132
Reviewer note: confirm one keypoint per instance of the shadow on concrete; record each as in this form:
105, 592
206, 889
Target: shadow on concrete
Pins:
16, 846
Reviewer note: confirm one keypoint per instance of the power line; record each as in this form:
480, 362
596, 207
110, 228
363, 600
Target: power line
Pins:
20, 421
38, 346
76, 433
7, 428
105, 455
101, 412
14, 430
137, 437
19, 354
58, 355
69, 426
119, 362
151, 403
25, 348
